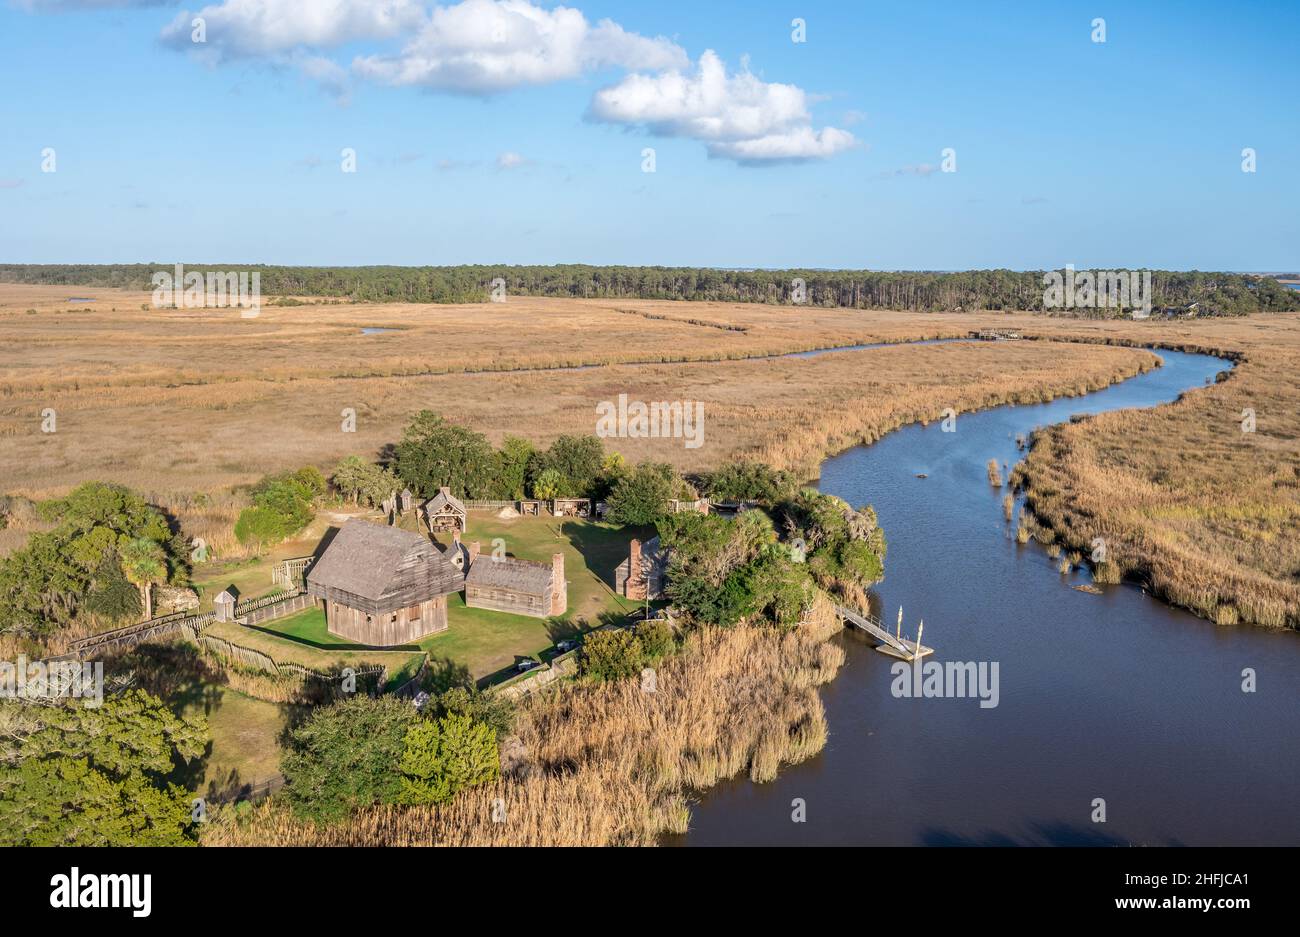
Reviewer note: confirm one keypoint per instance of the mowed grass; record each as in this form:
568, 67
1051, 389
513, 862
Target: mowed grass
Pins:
246, 734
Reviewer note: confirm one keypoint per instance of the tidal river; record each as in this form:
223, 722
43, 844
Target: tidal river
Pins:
1113, 697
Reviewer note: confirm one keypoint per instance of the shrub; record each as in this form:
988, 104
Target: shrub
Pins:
345, 756
656, 639
612, 654
492, 709
446, 756
282, 506
750, 481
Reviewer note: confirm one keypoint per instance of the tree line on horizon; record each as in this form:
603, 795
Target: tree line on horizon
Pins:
925, 291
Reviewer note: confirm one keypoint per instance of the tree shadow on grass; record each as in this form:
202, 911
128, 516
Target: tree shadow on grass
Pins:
603, 548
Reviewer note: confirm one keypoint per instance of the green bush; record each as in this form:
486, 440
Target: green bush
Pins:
612, 654
750, 481
282, 506
446, 756
346, 755
656, 639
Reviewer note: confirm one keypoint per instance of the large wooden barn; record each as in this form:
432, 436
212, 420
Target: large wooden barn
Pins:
383, 586
521, 587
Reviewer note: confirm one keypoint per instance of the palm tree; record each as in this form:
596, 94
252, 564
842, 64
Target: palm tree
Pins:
144, 563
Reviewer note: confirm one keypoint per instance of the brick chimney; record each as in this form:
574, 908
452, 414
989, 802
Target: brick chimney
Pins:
559, 587
473, 551
636, 584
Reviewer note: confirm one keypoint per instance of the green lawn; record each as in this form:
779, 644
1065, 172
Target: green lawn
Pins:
245, 739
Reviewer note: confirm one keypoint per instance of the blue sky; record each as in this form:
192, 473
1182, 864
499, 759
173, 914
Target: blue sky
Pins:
824, 153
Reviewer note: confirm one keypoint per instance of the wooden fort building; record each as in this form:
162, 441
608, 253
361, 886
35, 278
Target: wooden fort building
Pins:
383, 586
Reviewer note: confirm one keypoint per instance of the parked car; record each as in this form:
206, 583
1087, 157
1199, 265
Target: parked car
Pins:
526, 665
566, 645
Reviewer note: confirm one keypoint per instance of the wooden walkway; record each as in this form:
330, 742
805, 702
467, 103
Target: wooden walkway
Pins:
893, 645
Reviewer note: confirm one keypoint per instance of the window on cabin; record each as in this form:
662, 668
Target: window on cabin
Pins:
413, 614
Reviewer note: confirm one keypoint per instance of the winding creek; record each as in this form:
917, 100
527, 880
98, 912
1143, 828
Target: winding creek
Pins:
1112, 696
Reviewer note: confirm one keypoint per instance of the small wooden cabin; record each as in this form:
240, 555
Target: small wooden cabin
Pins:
529, 508
444, 511
521, 587
383, 586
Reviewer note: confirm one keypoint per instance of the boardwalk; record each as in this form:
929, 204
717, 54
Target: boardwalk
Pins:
893, 645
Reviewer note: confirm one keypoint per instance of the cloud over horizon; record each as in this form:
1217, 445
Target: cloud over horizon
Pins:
488, 47
738, 116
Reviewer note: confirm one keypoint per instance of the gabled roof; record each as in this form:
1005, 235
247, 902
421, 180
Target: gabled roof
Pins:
443, 500
512, 574
382, 567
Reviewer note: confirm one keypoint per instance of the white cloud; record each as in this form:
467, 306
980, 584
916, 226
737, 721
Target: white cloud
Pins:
260, 28
799, 144
510, 161
483, 46
738, 116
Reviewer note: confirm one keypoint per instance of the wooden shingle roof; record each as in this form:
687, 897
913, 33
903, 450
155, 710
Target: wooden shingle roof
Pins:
443, 500
377, 569
511, 574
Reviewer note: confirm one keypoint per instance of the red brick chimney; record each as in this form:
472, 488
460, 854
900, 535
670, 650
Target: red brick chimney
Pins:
636, 584
559, 587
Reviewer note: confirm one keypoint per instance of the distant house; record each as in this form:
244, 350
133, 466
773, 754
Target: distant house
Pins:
641, 576
522, 587
383, 586
445, 512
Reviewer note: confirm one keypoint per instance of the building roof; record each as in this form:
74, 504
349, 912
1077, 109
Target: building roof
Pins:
511, 574
442, 501
376, 568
